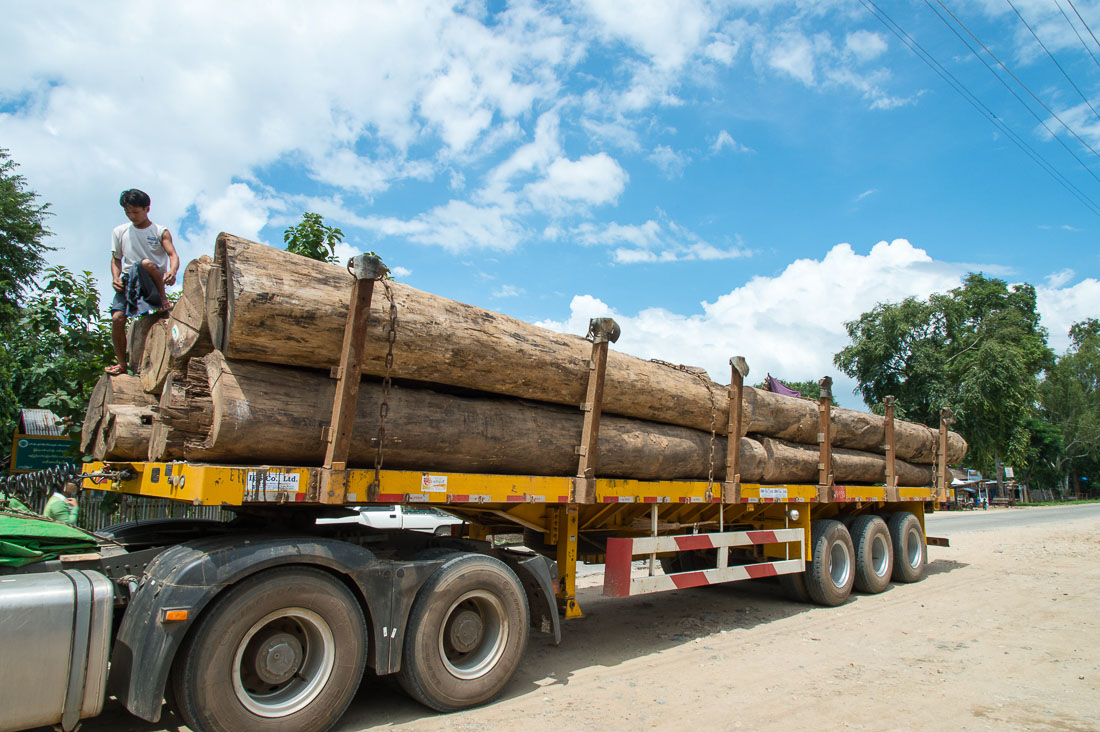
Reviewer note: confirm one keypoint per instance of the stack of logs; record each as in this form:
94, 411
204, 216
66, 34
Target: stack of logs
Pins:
241, 373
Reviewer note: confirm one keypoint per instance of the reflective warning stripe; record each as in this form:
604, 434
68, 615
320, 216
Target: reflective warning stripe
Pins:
621, 553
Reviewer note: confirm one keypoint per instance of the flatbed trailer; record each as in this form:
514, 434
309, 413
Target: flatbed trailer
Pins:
224, 620
268, 622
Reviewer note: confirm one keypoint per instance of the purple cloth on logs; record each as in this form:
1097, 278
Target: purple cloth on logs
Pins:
778, 387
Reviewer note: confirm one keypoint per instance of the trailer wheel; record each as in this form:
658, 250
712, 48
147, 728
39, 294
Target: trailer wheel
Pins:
910, 558
466, 634
794, 586
830, 576
282, 651
874, 554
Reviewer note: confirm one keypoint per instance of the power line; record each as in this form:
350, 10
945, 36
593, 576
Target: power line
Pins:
882, 17
1077, 32
1040, 42
1006, 86
1083, 21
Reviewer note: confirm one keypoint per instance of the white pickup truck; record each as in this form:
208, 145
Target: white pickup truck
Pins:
425, 519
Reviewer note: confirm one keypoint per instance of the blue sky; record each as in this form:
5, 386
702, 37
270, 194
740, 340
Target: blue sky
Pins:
722, 177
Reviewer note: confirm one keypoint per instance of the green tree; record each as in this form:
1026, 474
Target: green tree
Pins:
311, 238
978, 349
56, 351
1045, 456
1070, 400
22, 235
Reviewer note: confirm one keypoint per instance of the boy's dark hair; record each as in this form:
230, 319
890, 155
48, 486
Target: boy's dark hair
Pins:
134, 197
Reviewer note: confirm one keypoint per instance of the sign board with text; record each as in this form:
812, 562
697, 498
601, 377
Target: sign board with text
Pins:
38, 452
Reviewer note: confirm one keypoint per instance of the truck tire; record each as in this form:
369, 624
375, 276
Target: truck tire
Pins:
874, 554
466, 634
794, 586
283, 651
830, 576
910, 557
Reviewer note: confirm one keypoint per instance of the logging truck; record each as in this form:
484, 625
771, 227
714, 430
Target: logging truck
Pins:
269, 621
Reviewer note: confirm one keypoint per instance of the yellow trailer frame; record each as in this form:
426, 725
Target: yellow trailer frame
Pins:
499, 504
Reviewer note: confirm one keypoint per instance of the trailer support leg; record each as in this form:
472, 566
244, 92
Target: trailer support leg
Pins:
567, 529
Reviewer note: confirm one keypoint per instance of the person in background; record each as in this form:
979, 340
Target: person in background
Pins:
62, 504
143, 263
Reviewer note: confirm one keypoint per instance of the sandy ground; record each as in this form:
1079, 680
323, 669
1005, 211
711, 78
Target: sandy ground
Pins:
1001, 635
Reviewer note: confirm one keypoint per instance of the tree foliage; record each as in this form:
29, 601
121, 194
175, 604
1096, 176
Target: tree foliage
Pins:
53, 341
311, 238
56, 350
22, 235
1070, 400
977, 349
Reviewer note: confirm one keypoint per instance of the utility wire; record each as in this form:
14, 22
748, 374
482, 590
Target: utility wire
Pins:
1077, 32
1083, 22
1050, 111
1040, 42
882, 17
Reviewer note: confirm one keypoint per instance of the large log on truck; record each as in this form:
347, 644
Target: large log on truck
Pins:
110, 390
261, 413
183, 334
268, 305
125, 432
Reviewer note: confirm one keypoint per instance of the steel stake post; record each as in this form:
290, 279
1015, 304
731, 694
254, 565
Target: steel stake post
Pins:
366, 270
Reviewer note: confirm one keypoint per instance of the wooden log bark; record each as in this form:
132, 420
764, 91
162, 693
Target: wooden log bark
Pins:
136, 334
791, 462
125, 433
94, 414
183, 413
184, 334
121, 389
268, 305
271, 414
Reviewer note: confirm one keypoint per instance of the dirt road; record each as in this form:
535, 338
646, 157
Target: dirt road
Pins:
1001, 635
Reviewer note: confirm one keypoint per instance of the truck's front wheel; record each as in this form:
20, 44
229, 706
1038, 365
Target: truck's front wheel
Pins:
466, 634
283, 650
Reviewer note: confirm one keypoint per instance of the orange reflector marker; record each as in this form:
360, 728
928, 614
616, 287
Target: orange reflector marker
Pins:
174, 616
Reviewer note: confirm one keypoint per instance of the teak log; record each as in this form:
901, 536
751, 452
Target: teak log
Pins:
272, 414
125, 433
184, 334
261, 413
183, 413
110, 390
791, 462
265, 304
136, 335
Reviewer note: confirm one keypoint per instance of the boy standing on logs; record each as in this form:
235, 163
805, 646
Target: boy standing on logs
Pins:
143, 263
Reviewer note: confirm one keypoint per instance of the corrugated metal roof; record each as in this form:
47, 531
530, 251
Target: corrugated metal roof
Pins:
41, 422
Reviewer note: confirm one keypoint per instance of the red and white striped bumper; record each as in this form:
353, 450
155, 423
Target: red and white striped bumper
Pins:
617, 581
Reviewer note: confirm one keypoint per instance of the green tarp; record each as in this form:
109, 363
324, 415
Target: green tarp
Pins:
27, 537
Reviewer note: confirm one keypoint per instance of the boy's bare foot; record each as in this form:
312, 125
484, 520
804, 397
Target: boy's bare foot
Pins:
116, 369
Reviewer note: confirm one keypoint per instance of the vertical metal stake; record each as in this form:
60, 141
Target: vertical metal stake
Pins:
825, 436
947, 418
731, 489
334, 486
889, 447
600, 332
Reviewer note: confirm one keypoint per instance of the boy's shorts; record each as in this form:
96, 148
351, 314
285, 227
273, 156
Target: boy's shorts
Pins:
139, 295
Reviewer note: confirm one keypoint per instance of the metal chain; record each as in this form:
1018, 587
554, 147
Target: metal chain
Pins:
384, 406
701, 374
